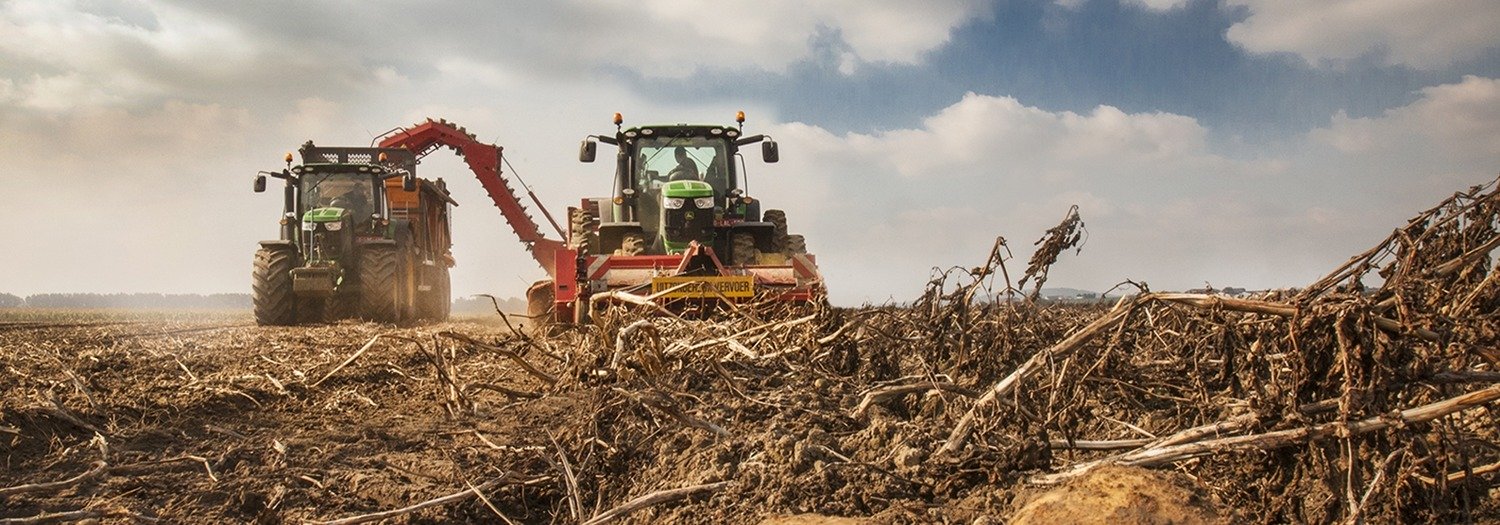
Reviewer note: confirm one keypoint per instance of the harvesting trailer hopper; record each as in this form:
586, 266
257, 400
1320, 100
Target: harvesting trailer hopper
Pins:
678, 229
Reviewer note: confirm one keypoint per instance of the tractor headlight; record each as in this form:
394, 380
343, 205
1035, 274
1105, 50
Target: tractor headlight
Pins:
704, 203
334, 226
673, 203
309, 225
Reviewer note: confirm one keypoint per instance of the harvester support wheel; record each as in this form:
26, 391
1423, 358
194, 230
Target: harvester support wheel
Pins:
632, 243
777, 218
742, 248
796, 244
379, 284
583, 232
271, 286
539, 303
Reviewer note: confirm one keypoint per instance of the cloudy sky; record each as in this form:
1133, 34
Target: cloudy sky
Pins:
1253, 143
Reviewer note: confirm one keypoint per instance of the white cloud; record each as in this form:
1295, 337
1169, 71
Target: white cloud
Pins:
183, 48
773, 34
84, 59
315, 117
1460, 120
1423, 34
999, 139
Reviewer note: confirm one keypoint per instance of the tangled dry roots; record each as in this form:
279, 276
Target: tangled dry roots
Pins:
1365, 395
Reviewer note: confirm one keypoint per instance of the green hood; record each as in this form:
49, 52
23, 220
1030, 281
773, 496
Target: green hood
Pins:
687, 189
324, 215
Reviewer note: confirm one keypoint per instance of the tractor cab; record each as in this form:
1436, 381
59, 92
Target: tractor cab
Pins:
340, 192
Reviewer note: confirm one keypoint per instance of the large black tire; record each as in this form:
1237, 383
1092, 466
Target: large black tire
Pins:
583, 232
271, 286
379, 296
777, 218
796, 244
742, 249
632, 243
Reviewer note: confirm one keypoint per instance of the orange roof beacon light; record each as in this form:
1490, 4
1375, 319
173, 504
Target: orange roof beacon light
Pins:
383, 157
619, 119
739, 117
288, 157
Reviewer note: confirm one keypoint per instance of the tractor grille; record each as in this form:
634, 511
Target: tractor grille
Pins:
689, 224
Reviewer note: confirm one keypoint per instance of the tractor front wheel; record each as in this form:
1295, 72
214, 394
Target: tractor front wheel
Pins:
271, 286
632, 243
379, 291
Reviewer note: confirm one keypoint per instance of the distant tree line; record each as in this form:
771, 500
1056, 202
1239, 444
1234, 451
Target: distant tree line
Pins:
140, 301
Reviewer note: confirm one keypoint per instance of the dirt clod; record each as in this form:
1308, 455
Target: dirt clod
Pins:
1122, 496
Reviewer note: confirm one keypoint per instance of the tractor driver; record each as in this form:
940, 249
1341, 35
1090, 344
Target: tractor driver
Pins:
686, 169
351, 200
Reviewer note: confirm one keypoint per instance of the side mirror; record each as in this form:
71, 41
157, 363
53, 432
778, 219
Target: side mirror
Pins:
260, 183
768, 152
587, 150
409, 182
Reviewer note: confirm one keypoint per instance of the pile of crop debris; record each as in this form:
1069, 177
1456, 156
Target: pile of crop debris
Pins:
1363, 396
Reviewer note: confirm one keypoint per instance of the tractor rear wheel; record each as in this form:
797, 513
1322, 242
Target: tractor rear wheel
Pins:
796, 244
271, 286
777, 218
742, 249
379, 296
632, 243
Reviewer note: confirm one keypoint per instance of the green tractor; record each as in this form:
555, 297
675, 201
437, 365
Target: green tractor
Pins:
679, 226
361, 236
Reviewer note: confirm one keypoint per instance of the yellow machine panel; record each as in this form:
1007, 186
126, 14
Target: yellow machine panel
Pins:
705, 287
